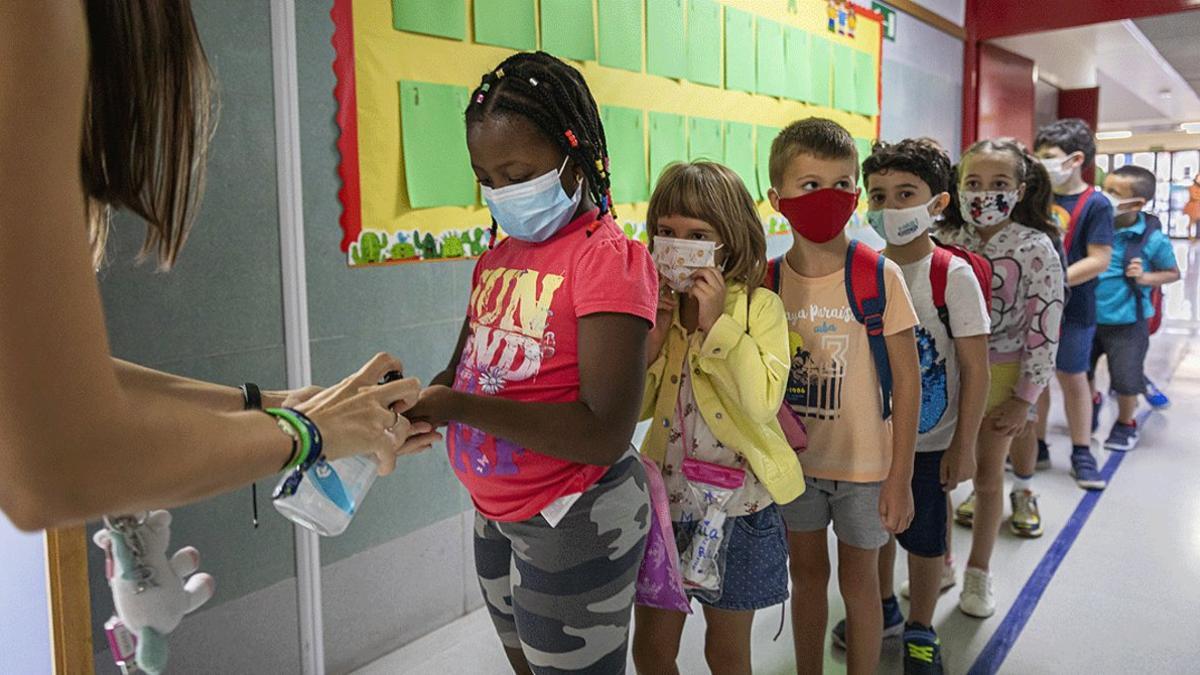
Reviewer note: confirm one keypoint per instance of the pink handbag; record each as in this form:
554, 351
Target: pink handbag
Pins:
659, 583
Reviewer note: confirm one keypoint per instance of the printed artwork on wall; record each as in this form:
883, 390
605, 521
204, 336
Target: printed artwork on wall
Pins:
405, 70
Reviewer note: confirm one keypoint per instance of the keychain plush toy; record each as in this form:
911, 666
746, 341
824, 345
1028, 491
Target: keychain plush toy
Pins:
149, 591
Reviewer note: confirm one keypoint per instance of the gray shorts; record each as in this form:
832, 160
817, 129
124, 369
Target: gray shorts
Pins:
852, 507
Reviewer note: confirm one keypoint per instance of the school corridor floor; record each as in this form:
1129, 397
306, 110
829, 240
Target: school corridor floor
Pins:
1113, 586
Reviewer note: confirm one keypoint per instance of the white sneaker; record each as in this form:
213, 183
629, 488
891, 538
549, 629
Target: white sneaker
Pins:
948, 582
977, 599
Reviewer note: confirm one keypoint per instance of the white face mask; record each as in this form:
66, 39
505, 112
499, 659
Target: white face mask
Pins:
1059, 175
985, 209
1118, 202
900, 226
678, 259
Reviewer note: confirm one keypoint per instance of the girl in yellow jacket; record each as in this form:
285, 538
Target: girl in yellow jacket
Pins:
718, 368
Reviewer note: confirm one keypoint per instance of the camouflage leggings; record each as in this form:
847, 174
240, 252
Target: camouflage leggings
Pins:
564, 595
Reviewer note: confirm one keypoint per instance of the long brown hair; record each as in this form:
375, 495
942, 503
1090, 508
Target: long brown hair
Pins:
1035, 208
715, 194
147, 121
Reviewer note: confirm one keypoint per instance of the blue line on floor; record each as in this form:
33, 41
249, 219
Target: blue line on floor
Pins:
1002, 641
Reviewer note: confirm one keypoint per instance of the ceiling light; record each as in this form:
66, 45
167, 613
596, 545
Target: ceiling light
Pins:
1191, 127
1114, 135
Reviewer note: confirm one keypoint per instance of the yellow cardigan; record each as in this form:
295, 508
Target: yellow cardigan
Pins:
738, 379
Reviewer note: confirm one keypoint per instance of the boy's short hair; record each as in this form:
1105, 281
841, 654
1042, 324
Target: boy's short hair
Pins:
1142, 181
1069, 135
922, 157
816, 136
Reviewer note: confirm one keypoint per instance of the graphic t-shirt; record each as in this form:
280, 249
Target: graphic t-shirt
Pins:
1095, 226
939, 361
523, 317
689, 436
833, 384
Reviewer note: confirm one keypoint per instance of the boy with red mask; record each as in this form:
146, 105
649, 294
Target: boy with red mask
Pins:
858, 466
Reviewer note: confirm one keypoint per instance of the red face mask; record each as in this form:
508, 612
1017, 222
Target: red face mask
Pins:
821, 215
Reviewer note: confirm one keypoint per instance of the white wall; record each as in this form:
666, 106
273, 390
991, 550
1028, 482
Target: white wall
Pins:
24, 614
922, 82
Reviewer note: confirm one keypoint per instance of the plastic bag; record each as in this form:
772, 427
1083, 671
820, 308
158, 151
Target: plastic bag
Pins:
659, 583
703, 561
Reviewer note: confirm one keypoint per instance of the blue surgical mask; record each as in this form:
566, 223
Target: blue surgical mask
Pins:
535, 210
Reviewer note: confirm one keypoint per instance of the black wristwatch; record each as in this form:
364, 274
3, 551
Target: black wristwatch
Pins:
251, 397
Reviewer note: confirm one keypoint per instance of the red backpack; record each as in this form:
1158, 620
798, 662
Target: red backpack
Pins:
939, 271
867, 296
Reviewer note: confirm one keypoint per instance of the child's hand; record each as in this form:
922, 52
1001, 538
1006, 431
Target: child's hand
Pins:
896, 505
709, 290
1134, 269
668, 301
958, 465
433, 406
1009, 418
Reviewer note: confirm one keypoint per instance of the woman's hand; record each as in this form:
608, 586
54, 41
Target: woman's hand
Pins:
1009, 418
709, 290
358, 416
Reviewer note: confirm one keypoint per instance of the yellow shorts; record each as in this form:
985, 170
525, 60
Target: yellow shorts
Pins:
1004, 381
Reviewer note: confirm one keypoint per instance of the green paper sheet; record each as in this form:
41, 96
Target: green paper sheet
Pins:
666, 53
769, 64
621, 34
443, 18
819, 71
437, 168
568, 29
797, 76
845, 96
704, 39
704, 140
739, 155
867, 94
668, 142
625, 130
506, 23
864, 151
766, 136
739, 50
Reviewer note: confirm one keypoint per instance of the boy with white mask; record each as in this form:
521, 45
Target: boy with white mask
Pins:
907, 189
1066, 148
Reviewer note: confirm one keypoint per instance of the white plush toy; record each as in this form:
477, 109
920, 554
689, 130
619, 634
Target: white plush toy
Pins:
149, 591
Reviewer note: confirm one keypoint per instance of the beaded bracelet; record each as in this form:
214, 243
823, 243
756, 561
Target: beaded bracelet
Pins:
311, 444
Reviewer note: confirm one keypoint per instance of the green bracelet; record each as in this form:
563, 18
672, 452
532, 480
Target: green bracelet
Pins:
301, 431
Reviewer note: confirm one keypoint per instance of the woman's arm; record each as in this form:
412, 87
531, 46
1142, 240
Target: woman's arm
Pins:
135, 379
593, 430
73, 442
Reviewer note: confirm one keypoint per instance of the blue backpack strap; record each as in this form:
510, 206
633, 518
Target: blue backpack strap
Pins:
867, 295
1134, 249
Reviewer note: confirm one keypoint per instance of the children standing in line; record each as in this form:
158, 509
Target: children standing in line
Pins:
1066, 148
1004, 215
543, 389
859, 463
719, 354
1142, 258
907, 187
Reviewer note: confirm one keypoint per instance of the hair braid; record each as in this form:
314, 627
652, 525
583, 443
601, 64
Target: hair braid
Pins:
555, 97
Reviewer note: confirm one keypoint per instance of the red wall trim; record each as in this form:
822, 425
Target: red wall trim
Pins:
1006, 94
1084, 104
1001, 18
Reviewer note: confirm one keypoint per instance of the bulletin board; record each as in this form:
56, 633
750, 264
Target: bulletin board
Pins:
675, 80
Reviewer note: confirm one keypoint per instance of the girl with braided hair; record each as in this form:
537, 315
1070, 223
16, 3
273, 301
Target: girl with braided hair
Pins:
544, 388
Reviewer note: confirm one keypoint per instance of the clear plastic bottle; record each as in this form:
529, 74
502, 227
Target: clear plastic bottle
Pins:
328, 495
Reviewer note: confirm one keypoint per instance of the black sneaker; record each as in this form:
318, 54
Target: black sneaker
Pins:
893, 623
1043, 457
922, 651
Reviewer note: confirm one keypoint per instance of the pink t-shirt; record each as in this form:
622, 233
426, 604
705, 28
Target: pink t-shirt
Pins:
526, 302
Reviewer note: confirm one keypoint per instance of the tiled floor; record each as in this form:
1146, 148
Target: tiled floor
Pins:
1123, 600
